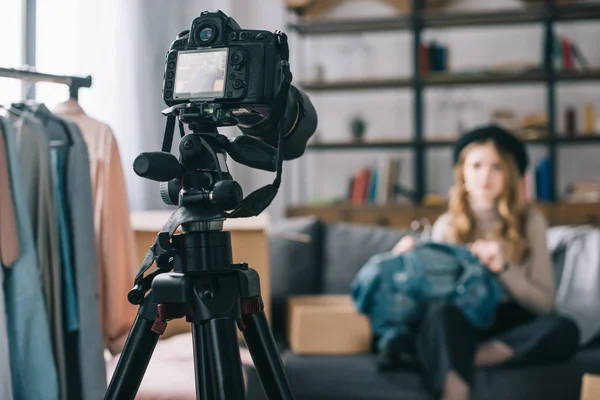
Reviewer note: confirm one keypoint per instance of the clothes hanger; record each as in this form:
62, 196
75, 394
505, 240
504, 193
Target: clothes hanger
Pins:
74, 93
44, 115
12, 110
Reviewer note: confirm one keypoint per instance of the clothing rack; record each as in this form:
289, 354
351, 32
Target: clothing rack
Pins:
74, 82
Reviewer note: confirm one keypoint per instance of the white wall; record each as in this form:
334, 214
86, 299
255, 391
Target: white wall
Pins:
389, 113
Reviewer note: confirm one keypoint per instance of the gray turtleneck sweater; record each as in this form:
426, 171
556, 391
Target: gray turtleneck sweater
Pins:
530, 284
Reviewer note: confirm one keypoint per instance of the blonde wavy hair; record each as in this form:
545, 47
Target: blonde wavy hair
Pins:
511, 207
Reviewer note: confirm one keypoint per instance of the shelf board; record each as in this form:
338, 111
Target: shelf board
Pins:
529, 15
448, 142
404, 206
365, 145
455, 79
583, 139
336, 26
483, 78
578, 12
441, 19
578, 76
438, 142
506, 77
356, 84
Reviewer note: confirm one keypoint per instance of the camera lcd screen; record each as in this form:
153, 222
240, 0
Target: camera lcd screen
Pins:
200, 74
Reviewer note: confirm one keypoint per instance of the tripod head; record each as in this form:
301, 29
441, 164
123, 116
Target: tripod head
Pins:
201, 176
200, 184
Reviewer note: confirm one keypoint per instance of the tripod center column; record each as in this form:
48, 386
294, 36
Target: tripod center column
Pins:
202, 248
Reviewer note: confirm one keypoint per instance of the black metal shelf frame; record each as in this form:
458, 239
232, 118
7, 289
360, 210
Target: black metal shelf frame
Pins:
547, 14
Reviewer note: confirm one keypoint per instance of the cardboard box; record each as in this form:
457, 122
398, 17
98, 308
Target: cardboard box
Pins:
327, 324
590, 387
249, 242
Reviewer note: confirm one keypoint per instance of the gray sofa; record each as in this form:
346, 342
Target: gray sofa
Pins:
310, 257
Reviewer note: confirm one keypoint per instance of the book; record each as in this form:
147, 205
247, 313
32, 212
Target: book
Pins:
360, 187
542, 178
567, 56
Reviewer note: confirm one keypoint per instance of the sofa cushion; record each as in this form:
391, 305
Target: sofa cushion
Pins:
588, 360
356, 378
349, 378
294, 246
347, 247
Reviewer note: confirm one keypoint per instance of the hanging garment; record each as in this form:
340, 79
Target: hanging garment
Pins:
37, 188
6, 207
9, 242
58, 156
78, 193
115, 239
33, 370
79, 197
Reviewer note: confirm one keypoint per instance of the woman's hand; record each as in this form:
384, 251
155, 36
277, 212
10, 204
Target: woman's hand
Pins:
405, 244
490, 254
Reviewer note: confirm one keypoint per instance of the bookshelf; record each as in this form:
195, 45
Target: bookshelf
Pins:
547, 14
442, 142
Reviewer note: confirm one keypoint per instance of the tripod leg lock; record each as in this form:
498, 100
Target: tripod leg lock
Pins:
168, 312
160, 323
252, 305
249, 305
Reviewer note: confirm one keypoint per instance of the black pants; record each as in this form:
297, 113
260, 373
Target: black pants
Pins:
446, 341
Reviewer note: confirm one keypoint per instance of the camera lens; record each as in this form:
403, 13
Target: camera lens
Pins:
206, 34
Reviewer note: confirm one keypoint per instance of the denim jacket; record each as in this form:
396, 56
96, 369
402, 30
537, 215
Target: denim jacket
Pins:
395, 290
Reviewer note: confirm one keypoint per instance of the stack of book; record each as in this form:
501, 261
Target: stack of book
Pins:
567, 55
377, 184
433, 57
536, 183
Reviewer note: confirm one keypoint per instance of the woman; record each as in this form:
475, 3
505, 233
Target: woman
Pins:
486, 213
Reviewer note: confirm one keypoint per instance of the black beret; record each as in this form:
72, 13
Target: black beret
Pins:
501, 137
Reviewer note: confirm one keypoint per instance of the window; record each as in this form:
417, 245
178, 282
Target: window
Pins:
55, 46
11, 56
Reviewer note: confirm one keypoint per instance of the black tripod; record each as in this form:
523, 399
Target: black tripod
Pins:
206, 287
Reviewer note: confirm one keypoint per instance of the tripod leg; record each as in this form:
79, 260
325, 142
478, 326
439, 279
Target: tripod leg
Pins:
135, 357
224, 359
267, 360
204, 379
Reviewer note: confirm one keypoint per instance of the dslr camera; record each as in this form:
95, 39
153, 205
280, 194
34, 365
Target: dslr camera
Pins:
233, 76
217, 61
